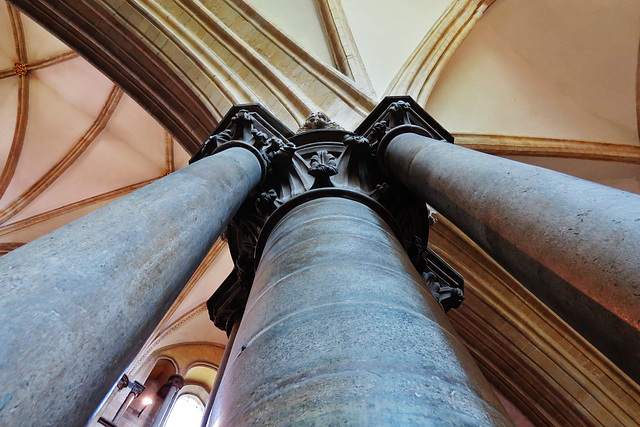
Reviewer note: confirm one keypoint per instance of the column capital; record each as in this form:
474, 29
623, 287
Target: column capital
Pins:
323, 156
123, 382
401, 110
136, 388
399, 114
252, 127
176, 381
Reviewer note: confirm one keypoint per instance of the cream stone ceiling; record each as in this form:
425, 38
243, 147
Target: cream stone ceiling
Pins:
547, 82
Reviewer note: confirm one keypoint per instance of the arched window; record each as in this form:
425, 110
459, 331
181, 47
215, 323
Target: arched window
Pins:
187, 411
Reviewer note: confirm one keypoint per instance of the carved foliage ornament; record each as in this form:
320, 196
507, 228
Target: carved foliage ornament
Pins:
444, 283
246, 129
323, 166
358, 143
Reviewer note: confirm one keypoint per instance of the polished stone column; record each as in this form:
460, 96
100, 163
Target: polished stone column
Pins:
220, 373
77, 304
136, 389
573, 243
339, 329
175, 384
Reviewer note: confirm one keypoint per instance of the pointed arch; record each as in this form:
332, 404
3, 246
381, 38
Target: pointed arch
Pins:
188, 62
419, 74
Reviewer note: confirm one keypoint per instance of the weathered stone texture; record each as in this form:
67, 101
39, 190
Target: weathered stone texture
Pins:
339, 329
572, 242
77, 304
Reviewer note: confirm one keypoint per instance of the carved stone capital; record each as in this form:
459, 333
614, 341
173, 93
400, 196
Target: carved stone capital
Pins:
253, 127
136, 388
123, 382
322, 156
317, 121
399, 114
227, 303
176, 381
357, 143
444, 283
279, 152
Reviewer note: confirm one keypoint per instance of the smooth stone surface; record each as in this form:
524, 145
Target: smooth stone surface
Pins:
339, 330
573, 243
77, 304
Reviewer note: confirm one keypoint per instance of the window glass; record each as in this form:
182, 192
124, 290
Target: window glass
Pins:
186, 412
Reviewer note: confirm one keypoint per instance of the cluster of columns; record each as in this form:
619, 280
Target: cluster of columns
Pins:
338, 326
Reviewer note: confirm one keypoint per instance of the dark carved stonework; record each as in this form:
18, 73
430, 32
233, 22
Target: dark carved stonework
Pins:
318, 120
251, 125
136, 388
323, 155
174, 380
323, 166
445, 284
124, 382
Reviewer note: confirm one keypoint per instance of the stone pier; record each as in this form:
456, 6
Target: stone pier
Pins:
341, 329
572, 242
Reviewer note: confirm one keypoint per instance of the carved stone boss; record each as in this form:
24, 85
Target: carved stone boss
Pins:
324, 156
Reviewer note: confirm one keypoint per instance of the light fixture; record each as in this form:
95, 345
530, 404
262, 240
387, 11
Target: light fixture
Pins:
145, 402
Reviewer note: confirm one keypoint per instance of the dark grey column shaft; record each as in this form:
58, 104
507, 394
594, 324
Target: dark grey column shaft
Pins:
339, 330
220, 373
77, 304
573, 243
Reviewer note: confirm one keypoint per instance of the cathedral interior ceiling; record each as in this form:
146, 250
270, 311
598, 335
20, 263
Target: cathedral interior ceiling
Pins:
549, 83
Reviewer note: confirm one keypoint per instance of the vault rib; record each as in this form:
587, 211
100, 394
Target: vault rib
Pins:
22, 112
505, 145
342, 44
170, 163
45, 216
37, 188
